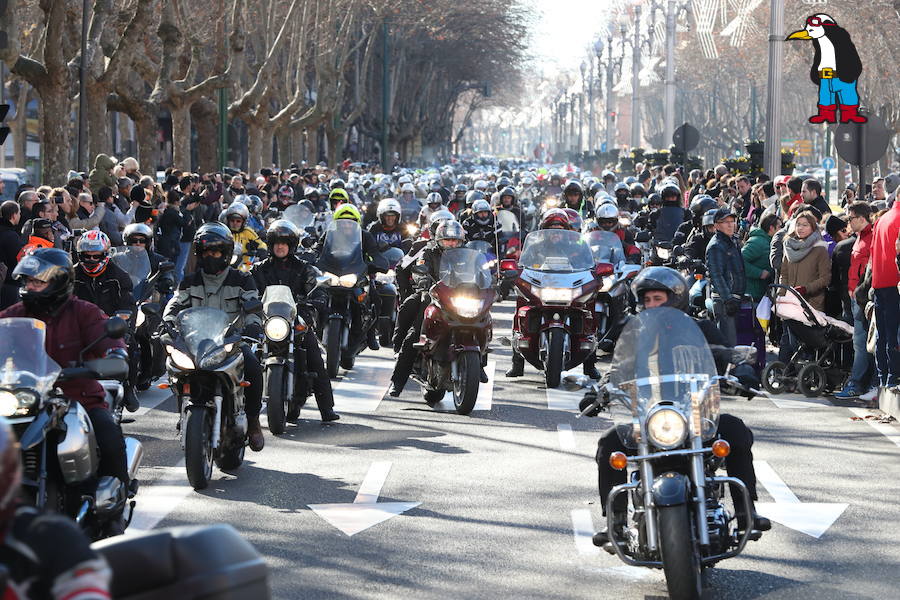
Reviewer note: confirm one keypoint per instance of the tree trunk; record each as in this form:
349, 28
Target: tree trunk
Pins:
268, 147
56, 140
335, 138
98, 141
312, 145
181, 136
254, 147
205, 116
145, 126
285, 146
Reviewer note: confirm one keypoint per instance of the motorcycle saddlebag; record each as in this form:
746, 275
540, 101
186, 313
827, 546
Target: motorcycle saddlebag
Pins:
190, 563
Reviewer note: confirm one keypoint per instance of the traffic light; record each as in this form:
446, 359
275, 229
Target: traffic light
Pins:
4, 130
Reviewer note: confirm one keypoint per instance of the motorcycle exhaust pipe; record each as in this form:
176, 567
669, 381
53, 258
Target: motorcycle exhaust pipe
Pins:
134, 454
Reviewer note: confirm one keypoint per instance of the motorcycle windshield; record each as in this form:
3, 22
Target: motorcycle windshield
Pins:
662, 357
342, 251
23, 356
299, 215
276, 295
606, 247
392, 255
409, 209
556, 251
481, 246
465, 266
507, 221
134, 261
203, 329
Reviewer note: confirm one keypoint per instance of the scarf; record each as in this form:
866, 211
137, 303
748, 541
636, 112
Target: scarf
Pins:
796, 249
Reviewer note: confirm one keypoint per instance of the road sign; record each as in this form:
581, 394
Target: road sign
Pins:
828, 163
603, 147
862, 144
685, 138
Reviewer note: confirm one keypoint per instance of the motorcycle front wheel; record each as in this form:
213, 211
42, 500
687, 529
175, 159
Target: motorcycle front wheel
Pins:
468, 378
276, 397
680, 554
332, 348
198, 452
553, 368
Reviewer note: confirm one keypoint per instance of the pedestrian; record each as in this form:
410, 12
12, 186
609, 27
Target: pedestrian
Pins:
101, 175
755, 253
11, 243
885, 279
169, 230
727, 280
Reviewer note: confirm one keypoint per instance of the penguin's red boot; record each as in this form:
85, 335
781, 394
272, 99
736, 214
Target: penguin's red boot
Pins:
849, 114
827, 114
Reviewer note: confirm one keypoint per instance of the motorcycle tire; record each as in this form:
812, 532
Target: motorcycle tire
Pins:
348, 359
198, 452
468, 379
774, 380
679, 553
332, 349
230, 457
812, 380
276, 398
553, 368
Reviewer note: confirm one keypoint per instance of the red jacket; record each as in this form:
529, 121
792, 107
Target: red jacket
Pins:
884, 251
75, 325
859, 258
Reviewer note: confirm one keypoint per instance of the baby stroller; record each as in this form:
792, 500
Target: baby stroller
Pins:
817, 365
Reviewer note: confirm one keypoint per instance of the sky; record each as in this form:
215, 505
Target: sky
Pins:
565, 27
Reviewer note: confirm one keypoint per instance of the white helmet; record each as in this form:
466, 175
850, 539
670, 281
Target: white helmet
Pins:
480, 185
607, 211
404, 179
237, 208
408, 187
388, 205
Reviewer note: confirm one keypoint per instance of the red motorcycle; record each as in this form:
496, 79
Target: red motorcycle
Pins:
554, 327
456, 329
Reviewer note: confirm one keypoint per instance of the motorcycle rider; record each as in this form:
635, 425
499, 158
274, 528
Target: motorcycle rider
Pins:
46, 556
386, 230
48, 280
509, 201
458, 201
217, 285
450, 234
638, 193
433, 203
695, 247
573, 197
608, 220
98, 280
623, 198
481, 225
555, 218
139, 235
337, 197
699, 206
471, 197
662, 286
237, 217
284, 268
664, 221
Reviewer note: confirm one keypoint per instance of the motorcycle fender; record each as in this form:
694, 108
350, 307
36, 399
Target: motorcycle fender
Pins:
671, 489
36, 431
275, 360
387, 290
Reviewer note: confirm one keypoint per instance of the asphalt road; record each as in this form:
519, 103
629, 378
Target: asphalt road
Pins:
507, 498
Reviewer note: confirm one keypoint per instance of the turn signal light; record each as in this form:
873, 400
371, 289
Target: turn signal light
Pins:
721, 448
618, 461
698, 276
163, 386
299, 327
245, 384
361, 298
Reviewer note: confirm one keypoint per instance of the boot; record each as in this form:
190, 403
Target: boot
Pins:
132, 404
395, 390
827, 114
590, 369
849, 114
329, 415
518, 366
601, 538
373, 339
255, 434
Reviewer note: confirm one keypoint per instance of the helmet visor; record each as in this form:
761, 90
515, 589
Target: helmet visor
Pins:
38, 268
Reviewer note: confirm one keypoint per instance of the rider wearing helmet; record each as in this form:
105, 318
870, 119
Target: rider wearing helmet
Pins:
638, 192
555, 218
217, 285
44, 555
699, 206
573, 197
337, 197
433, 203
386, 229
662, 286
283, 267
450, 234
471, 198
458, 201
623, 198
48, 280
140, 235
508, 201
608, 220
98, 280
315, 197
482, 225
664, 221
236, 217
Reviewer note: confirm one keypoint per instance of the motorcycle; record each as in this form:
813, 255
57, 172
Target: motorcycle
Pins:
664, 374
60, 457
456, 329
206, 371
350, 310
554, 327
385, 286
614, 296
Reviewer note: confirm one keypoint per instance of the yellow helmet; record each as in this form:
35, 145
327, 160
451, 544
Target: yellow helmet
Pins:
347, 211
339, 194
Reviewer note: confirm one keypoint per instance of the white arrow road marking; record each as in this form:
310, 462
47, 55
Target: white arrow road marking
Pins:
562, 398
566, 437
361, 389
365, 511
158, 497
149, 402
811, 518
888, 431
485, 393
800, 403
583, 530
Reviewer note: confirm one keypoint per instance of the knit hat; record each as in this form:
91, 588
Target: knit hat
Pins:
834, 224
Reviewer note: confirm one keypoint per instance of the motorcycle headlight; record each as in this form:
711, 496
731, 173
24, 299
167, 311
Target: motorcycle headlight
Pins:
9, 404
608, 282
564, 295
181, 360
334, 280
465, 306
277, 329
666, 428
663, 253
347, 280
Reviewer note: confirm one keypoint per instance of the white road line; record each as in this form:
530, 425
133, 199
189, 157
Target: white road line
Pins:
485, 393
774, 484
156, 500
566, 437
562, 398
800, 403
362, 388
151, 402
371, 486
888, 431
583, 530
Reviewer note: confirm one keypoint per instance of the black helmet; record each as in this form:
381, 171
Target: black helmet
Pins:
508, 191
702, 203
595, 189
53, 266
283, 231
654, 199
664, 279
472, 196
503, 182
213, 236
669, 190
637, 189
573, 185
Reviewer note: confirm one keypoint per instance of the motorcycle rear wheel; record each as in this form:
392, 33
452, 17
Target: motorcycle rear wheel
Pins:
198, 452
554, 366
680, 554
276, 394
468, 378
332, 349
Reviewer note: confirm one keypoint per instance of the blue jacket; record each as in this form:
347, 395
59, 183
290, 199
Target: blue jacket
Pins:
725, 267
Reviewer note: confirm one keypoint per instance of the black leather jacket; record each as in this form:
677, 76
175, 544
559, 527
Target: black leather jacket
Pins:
298, 275
111, 290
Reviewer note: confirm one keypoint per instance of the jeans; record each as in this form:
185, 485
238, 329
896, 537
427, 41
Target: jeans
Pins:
834, 91
111, 442
254, 375
321, 384
887, 320
726, 324
183, 253
862, 360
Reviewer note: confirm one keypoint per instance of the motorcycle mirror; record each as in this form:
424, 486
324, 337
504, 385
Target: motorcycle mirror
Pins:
151, 309
116, 328
166, 266
678, 251
664, 245
253, 305
642, 237
322, 280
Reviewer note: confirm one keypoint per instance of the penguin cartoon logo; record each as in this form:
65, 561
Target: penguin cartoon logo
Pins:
835, 69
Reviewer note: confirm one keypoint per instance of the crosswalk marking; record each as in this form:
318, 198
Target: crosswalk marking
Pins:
566, 437
583, 530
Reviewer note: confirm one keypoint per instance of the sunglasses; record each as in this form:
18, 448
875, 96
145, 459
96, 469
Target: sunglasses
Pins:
817, 22
141, 241
91, 257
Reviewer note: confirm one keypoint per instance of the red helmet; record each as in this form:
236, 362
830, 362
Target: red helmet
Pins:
555, 217
574, 219
93, 252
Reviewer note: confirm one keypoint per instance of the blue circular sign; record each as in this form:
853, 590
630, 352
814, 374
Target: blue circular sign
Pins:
828, 163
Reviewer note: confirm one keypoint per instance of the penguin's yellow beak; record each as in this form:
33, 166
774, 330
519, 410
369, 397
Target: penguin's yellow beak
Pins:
799, 35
